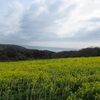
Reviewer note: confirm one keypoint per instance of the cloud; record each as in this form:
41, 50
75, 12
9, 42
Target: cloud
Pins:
63, 18
10, 20
42, 20
50, 20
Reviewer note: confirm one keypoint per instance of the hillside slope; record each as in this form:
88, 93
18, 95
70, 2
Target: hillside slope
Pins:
15, 52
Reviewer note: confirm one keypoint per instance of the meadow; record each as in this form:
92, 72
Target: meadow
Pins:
51, 79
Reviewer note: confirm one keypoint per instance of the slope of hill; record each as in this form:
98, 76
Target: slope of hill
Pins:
15, 52
85, 52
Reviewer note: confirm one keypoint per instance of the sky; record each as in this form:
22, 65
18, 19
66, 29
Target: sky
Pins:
51, 23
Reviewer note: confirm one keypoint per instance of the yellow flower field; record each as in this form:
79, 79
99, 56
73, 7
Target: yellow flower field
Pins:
52, 79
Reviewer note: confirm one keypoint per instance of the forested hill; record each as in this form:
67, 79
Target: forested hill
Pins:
15, 53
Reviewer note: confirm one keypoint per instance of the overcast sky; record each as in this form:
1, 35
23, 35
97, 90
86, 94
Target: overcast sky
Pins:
55, 23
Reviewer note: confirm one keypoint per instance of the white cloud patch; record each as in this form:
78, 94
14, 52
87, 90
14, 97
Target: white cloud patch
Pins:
11, 19
51, 20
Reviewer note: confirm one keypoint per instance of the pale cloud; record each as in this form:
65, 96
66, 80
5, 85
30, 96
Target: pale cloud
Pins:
65, 44
50, 20
79, 19
10, 20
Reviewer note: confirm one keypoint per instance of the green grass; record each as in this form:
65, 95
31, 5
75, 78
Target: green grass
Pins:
54, 79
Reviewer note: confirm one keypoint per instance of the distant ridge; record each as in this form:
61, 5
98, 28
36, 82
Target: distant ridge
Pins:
4, 46
15, 53
54, 49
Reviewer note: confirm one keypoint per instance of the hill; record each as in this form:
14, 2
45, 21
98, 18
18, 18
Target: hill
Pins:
15, 53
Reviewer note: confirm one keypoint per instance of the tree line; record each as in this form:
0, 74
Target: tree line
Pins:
16, 53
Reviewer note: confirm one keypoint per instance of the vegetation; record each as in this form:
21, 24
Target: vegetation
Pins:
55, 79
16, 53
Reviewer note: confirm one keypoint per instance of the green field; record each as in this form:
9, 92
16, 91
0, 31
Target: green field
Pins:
54, 79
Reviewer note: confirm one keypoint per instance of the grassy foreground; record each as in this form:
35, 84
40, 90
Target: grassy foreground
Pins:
55, 79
